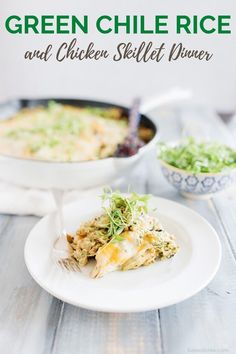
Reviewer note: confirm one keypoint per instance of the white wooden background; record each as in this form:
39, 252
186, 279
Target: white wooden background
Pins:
34, 322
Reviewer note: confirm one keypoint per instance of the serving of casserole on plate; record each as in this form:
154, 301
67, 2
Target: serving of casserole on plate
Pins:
123, 237
161, 260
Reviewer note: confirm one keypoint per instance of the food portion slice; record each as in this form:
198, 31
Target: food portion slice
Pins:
91, 236
123, 237
156, 245
133, 249
113, 255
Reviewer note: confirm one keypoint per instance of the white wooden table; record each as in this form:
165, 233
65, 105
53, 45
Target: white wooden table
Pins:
34, 322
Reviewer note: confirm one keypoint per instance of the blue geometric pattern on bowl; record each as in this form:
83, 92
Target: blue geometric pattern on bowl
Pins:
197, 184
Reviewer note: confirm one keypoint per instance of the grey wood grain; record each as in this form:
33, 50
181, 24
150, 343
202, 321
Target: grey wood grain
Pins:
225, 209
33, 322
24, 308
83, 331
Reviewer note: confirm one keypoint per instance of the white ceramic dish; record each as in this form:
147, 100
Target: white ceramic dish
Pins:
199, 185
161, 284
68, 175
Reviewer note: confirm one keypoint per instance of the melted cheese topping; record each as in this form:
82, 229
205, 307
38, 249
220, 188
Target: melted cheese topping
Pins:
62, 133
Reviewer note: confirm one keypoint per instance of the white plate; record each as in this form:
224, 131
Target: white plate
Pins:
161, 284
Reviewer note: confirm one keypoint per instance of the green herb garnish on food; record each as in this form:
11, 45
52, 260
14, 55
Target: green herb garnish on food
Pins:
122, 211
204, 157
49, 132
63, 132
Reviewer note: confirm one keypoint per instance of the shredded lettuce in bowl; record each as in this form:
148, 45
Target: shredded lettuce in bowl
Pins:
203, 157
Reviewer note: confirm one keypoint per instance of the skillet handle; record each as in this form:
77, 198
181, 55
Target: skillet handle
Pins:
171, 96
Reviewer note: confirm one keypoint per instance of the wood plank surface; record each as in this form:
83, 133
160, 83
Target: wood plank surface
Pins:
33, 322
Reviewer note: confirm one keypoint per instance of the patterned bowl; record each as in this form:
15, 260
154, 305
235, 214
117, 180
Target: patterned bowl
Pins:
200, 185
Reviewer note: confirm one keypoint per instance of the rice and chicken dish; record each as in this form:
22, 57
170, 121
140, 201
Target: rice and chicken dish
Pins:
123, 237
59, 132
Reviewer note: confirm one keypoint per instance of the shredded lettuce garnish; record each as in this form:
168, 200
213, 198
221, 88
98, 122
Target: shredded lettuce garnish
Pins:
122, 211
203, 157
